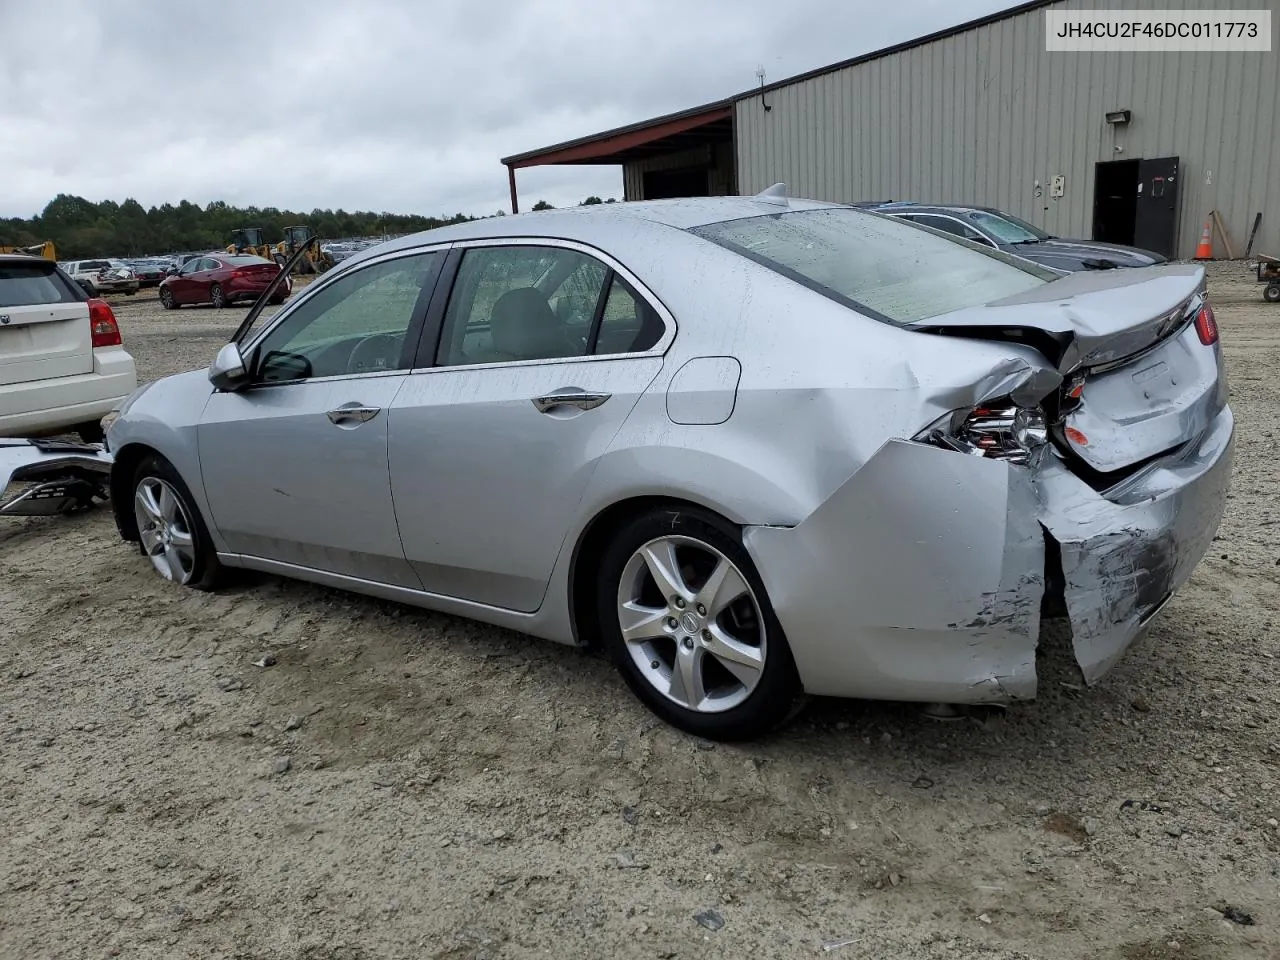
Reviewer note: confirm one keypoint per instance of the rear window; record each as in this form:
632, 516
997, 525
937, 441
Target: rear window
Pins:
94, 265
876, 264
26, 285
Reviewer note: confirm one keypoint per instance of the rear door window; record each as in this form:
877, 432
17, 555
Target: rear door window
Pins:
628, 323
516, 303
25, 285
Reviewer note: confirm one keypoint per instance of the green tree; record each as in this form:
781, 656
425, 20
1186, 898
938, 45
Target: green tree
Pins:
590, 202
81, 228
543, 205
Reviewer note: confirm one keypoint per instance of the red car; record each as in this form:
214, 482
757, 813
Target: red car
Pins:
221, 279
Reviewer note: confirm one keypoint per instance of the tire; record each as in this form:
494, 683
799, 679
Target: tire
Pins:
1272, 293
90, 431
166, 298
217, 297
171, 532
680, 671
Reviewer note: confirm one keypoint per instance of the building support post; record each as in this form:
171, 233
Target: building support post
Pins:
511, 179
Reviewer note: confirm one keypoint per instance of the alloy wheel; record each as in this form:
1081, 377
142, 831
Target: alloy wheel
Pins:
165, 529
217, 297
692, 624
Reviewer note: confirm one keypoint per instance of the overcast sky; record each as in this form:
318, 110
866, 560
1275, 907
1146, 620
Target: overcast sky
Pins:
396, 105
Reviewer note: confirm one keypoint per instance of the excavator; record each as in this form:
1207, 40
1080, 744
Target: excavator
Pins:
295, 238
249, 240
46, 250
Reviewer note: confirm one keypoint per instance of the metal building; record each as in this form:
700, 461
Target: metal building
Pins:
1126, 147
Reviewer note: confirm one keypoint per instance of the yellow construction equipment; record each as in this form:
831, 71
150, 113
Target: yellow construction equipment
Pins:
249, 240
46, 250
295, 238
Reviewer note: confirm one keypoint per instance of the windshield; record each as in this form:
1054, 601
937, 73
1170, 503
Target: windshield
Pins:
877, 264
1006, 228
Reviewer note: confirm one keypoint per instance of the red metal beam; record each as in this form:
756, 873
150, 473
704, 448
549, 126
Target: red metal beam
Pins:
604, 147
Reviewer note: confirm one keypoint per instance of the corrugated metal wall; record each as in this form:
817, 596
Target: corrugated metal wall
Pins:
981, 116
718, 157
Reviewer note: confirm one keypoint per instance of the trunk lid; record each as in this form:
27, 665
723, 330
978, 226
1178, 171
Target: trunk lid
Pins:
1126, 341
44, 325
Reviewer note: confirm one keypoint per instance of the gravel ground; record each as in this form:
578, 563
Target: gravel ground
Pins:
403, 784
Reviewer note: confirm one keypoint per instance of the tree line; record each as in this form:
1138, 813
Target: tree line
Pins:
81, 228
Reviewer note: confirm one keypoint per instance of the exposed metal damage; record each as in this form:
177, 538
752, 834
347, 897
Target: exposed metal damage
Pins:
994, 545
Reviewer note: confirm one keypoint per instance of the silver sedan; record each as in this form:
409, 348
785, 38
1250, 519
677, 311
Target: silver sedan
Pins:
748, 446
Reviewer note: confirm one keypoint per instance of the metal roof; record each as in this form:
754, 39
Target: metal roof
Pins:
647, 137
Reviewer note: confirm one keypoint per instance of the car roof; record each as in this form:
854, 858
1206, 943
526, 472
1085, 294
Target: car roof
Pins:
600, 224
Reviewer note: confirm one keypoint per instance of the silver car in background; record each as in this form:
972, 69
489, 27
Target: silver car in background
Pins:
750, 446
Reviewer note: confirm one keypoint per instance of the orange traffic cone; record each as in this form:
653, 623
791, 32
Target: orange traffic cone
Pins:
1205, 250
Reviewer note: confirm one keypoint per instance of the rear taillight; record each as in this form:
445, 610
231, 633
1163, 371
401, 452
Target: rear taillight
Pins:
999, 429
1207, 326
102, 324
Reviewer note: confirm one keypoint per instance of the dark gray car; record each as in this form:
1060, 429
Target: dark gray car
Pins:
1006, 232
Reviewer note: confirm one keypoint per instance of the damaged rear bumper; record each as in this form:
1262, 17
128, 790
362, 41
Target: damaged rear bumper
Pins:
1125, 554
923, 577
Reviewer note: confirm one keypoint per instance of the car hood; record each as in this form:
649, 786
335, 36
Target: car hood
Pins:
1084, 254
1086, 318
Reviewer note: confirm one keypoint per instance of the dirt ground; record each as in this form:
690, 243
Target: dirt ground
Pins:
403, 784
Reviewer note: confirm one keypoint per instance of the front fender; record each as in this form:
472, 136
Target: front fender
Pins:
163, 418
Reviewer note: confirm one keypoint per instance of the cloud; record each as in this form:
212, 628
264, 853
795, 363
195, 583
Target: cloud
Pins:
391, 105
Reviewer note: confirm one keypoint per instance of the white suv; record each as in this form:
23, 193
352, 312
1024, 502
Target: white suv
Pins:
62, 362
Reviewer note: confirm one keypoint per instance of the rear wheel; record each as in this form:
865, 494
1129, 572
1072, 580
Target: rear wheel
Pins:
171, 532
217, 297
685, 617
1272, 293
166, 298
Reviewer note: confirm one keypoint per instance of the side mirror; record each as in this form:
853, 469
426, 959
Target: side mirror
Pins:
227, 372
171, 272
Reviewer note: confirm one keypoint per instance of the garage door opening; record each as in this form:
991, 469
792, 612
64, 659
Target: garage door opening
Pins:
665, 184
1115, 201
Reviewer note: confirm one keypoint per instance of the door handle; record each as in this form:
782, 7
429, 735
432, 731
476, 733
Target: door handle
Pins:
583, 401
352, 413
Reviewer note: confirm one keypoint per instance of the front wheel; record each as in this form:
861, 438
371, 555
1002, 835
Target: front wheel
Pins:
171, 533
217, 297
1272, 293
166, 298
685, 617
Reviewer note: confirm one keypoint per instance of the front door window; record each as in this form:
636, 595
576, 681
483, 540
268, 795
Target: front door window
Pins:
356, 324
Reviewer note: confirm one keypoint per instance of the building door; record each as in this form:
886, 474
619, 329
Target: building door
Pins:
664, 184
1135, 202
1156, 221
1115, 201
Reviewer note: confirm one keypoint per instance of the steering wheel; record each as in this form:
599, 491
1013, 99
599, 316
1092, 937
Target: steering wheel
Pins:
381, 351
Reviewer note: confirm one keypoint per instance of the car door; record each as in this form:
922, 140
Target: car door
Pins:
295, 465
184, 286
544, 349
